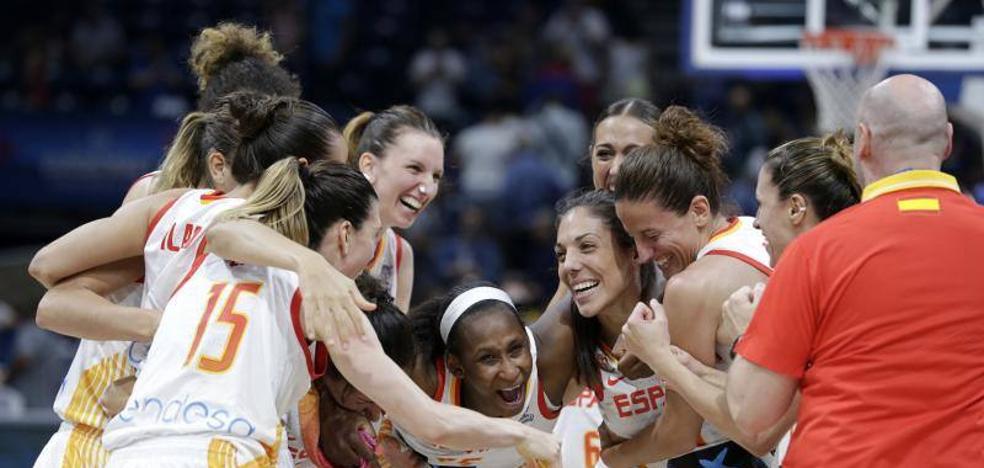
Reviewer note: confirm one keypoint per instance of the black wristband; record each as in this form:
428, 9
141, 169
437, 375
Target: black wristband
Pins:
731, 352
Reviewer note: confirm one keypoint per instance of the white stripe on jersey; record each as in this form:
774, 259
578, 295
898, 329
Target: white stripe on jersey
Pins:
228, 360
385, 265
537, 412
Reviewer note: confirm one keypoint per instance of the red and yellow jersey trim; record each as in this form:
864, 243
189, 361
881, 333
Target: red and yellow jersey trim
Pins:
733, 225
910, 180
210, 197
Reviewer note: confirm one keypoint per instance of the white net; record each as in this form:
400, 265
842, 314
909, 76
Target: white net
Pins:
838, 87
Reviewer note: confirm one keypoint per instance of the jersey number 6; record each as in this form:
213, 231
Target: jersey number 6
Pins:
228, 315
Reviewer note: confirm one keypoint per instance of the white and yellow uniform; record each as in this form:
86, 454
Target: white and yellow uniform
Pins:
742, 241
627, 406
538, 412
385, 263
577, 428
229, 358
97, 364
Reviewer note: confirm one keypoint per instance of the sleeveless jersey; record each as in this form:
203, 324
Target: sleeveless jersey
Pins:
176, 227
740, 240
95, 366
229, 358
537, 412
627, 406
577, 428
385, 263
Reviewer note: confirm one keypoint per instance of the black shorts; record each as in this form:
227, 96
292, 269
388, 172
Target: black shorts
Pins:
726, 455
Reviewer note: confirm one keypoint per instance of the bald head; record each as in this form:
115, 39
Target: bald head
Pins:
905, 117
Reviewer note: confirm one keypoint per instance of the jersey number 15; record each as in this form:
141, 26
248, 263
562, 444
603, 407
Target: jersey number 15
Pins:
228, 315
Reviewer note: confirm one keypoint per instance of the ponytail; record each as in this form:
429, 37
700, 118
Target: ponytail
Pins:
352, 134
683, 162
277, 201
183, 166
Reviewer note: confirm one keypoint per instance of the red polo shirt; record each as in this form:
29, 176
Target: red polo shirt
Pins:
879, 312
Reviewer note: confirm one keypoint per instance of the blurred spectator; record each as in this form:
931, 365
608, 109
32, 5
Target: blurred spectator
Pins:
437, 71
40, 361
470, 254
157, 80
583, 32
560, 135
97, 38
483, 151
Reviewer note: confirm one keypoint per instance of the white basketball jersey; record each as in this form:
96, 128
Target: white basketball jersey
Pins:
175, 228
229, 358
95, 366
577, 428
385, 263
628, 406
537, 412
740, 240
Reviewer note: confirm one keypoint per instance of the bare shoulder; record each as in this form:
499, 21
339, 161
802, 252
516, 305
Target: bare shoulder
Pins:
722, 275
141, 187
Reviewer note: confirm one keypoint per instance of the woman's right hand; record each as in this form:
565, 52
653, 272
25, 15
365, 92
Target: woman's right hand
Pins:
737, 312
332, 306
540, 448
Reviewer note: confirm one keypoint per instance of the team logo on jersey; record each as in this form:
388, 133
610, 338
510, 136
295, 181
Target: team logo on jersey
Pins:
526, 418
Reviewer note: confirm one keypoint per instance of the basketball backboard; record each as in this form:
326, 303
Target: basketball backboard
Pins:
760, 38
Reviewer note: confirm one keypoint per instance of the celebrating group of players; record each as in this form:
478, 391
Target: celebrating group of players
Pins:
248, 303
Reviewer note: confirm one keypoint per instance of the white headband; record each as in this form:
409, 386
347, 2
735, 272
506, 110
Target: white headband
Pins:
465, 300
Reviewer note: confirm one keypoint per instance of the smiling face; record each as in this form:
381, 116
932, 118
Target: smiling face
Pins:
661, 236
781, 220
406, 177
589, 262
614, 137
494, 361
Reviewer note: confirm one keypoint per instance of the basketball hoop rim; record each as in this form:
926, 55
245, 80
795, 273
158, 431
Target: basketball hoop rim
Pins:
863, 44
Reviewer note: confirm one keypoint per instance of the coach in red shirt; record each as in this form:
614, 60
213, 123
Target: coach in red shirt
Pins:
877, 314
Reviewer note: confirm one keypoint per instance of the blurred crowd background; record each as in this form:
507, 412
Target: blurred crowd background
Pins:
91, 93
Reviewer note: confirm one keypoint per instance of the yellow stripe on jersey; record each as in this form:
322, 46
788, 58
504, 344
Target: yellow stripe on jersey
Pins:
84, 448
270, 458
221, 454
84, 408
919, 204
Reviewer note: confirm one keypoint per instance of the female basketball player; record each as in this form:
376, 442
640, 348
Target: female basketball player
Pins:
68, 309
271, 365
401, 151
595, 260
623, 126
668, 197
801, 183
224, 59
268, 129
476, 353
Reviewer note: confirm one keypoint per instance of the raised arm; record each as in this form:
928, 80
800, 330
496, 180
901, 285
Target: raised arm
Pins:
332, 306
366, 367
691, 327
78, 306
99, 242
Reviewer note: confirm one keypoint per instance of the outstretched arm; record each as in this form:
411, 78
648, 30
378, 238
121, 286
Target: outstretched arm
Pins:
78, 306
366, 367
99, 242
332, 304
